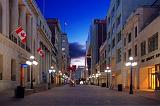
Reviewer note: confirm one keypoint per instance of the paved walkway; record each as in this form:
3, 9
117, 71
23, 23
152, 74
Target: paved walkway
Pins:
83, 95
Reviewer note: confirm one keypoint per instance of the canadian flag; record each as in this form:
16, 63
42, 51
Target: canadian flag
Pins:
20, 32
40, 51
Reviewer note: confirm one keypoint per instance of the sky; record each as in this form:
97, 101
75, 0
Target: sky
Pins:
78, 14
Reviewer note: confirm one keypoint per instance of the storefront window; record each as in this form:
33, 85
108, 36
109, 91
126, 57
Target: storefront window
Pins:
151, 78
157, 73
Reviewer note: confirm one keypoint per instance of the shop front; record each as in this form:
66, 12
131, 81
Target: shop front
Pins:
150, 77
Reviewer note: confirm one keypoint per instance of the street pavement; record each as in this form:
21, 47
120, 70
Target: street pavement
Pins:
82, 95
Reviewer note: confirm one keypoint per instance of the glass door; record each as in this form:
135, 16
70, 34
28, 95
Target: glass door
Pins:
151, 78
157, 75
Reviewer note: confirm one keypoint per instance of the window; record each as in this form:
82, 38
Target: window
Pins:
125, 56
1, 66
63, 49
109, 60
135, 50
135, 31
129, 53
118, 3
118, 55
109, 19
113, 9
109, 48
113, 28
118, 20
124, 41
113, 43
143, 48
153, 43
105, 54
118, 36
129, 37
108, 35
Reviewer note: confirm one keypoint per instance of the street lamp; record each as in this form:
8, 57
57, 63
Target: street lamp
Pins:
108, 70
97, 76
131, 63
50, 75
31, 62
60, 74
93, 76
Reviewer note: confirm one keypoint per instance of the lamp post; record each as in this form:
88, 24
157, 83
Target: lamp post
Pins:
108, 70
50, 75
31, 62
60, 74
97, 76
131, 63
93, 76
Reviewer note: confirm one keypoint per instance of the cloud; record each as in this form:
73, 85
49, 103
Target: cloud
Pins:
78, 61
76, 50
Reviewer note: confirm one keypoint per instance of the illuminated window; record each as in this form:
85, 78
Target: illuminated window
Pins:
151, 78
63, 49
153, 43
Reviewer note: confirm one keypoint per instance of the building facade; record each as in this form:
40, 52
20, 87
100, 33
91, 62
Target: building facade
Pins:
65, 53
14, 53
103, 63
56, 39
116, 18
141, 40
96, 38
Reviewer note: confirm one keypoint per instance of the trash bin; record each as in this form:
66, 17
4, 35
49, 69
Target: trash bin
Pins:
103, 84
49, 85
19, 92
119, 87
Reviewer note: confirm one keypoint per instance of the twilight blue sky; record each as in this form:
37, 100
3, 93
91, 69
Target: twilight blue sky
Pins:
78, 15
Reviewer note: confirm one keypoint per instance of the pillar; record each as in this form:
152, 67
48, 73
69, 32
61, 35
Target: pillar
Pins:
22, 16
14, 15
5, 17
28, 31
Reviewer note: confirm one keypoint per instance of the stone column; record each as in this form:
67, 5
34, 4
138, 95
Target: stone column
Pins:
22, 17
28, 31
5, 17
14, 15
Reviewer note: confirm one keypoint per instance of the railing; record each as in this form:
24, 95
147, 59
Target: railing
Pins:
28, 49
13, 38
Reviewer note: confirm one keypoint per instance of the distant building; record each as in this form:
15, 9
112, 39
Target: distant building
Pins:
97, 36
65, 53
79, 73
56, 39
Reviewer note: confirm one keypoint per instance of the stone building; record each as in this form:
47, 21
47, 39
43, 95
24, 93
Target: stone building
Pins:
13, 53
65, 53
118, 13
97, 36
56, 40
141, 40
